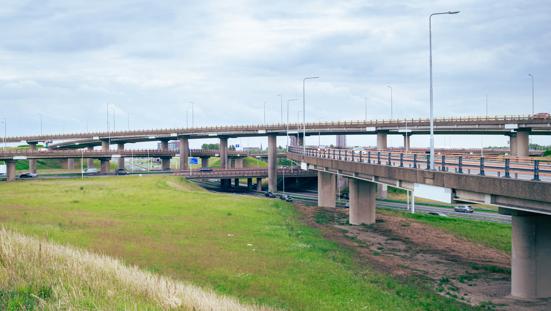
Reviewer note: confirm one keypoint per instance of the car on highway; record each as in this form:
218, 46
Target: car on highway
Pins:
121, 171
28, 175
463, 209
269, 194
205, 169
286, 197
90, 171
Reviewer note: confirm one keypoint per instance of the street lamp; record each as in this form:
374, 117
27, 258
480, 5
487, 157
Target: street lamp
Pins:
365, 104
192, 113
281, 99
5, 131
532, 78
431, 95
391, 109
304, 111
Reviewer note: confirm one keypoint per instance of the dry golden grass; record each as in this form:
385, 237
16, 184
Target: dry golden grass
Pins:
77, 279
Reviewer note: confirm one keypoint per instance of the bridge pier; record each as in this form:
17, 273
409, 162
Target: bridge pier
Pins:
231, 163
204, 162
120, 147
10, 170
105, 146
259, 184
513, 144
184, 153
382, 191
249, 184
238, 162
407, 140
300, 139
90, 161
165, 164
327, 189
272, 163
236, 183
104, 166
32, 162
224, 153
522, 142
362, 201
70, 164
382, 140
531, 272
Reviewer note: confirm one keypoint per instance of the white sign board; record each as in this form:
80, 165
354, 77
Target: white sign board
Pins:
20, 158
511, 126
370, 129
115, 156
292, 132
173, 134
238, 147
433, 193
304, 166
213, 134
261, 131
2, 169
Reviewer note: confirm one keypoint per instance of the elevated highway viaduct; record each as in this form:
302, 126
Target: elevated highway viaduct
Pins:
527, 198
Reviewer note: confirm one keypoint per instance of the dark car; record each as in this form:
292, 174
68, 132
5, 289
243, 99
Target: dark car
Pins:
286, 197
269, 194
28, 175
205, 169
121, 171
463, 209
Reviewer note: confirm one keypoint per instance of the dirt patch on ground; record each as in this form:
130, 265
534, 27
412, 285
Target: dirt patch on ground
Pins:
454, 267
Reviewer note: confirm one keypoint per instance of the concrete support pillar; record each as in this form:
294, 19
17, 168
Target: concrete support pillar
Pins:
70, 164
341, 141
90, 161
231, 162
382, 191
300, 138
10, 170
407, 145
164, 145
32, 162
249, 184
259, 184
223, 152
531, 272
104, 166
293, 141
225, 183
342, 183
236, 182
165, 164
120, 147
204, 162
522, 143
381, 140
513, 145
238, 162
272, 163
362, 201
105, 145
184, 153
327, 189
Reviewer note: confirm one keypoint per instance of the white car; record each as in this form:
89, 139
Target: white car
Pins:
90, 171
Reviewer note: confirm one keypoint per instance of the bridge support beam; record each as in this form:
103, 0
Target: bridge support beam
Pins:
224, 153
258, 184
513, 145
165, 164
90, 161
531, 272
120, 147
10, 170
238, 162
104, 166
327, 189
381, 140
32, 162
184, 153
204, 162
362, 201
522, 143
105, 145
407, 144
382, 191
272, 163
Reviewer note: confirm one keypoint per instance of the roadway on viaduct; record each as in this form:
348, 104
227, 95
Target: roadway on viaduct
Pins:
527, 201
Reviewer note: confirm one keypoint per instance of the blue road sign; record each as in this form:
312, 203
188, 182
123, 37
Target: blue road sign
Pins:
193, 160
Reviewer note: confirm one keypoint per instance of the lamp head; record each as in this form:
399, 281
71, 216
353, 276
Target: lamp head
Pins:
453, 12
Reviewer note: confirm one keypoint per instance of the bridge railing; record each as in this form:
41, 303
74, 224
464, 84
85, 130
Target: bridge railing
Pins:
497, 166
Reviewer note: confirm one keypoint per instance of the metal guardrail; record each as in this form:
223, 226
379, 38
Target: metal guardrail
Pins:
251, 172
504, 166
283, 126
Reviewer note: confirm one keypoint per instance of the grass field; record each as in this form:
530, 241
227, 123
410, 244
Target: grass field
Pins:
489, 234
251, 248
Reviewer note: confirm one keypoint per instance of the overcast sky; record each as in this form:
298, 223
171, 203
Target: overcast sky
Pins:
67, 59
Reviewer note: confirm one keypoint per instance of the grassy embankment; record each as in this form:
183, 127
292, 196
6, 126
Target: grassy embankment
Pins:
251, 248
490, 234
36, 274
